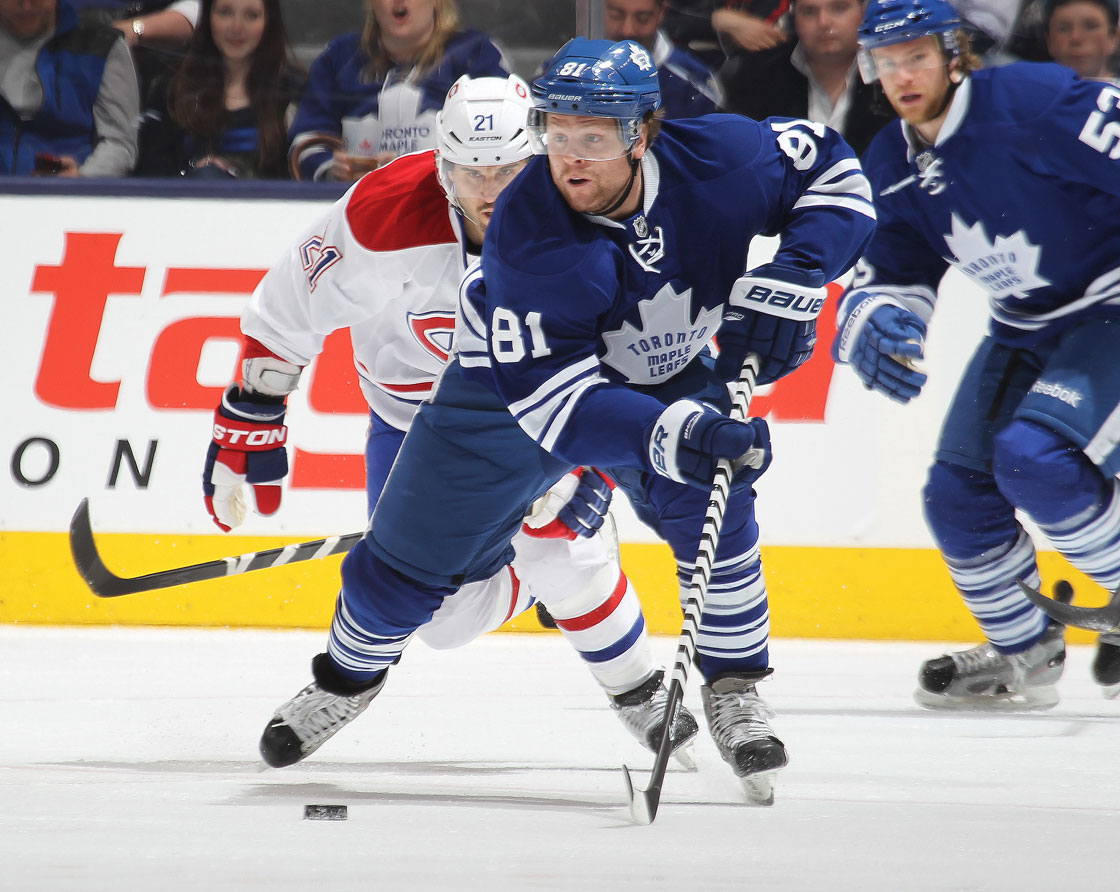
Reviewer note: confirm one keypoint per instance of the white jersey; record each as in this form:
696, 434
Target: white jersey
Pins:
385, 262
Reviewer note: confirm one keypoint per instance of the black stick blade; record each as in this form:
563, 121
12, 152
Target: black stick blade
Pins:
1096, 619
88, 562
106, 584
643, 803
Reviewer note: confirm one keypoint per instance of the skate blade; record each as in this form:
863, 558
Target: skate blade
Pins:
1110, 691
1031, 700
760, 787
685, 756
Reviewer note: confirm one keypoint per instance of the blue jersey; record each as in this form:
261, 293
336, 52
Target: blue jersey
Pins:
586, 327
393, 114
1021, 193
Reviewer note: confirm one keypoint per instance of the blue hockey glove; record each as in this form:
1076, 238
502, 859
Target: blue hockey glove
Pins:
883, 348
688, 439
247, 448
772, 311
576, 505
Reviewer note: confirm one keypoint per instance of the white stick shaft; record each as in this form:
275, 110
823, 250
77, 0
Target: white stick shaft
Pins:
709, 535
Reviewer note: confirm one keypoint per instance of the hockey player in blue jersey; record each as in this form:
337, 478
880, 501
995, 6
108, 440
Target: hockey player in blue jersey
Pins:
607, 268
1012, 176
385, 263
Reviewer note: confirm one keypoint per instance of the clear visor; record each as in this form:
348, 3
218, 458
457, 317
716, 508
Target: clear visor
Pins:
910, 57
581, 138
478, 181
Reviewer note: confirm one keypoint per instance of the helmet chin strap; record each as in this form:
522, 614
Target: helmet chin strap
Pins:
949, 93
462, 213
625, 193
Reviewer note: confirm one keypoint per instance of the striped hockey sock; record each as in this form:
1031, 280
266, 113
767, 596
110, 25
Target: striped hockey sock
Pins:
1091, 540
735, 626
990, 591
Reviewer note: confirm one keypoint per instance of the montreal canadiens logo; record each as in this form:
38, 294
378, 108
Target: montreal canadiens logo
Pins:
434, 332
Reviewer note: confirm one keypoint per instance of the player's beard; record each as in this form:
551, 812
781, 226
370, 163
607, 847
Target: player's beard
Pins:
931, 106
929, 109
599, 195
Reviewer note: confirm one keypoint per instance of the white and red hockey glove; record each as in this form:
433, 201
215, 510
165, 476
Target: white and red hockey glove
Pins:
246, 457
576, 505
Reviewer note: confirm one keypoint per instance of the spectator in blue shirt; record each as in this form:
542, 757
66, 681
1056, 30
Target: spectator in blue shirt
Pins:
68, 95
373, 96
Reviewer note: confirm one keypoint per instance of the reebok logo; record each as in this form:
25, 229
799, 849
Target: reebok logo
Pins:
1059, 392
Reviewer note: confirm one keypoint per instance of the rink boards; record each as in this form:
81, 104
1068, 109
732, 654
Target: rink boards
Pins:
883, 593
122, 330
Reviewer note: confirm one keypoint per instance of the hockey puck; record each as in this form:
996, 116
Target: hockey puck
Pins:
324, 812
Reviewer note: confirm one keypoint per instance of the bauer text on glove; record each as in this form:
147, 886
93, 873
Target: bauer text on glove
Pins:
772, 311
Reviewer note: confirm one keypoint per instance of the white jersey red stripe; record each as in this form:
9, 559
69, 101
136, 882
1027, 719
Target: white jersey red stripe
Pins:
386, 268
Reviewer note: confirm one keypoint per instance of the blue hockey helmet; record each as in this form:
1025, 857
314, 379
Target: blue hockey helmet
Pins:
888, 22
596, 78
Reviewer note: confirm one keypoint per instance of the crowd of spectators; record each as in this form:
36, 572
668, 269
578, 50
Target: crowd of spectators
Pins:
96, 88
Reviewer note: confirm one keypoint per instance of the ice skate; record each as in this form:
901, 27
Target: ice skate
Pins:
739, 720
1106, 664
642, 712
982, 678
314, 716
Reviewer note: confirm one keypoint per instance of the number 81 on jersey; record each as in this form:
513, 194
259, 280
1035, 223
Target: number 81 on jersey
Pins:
509, 336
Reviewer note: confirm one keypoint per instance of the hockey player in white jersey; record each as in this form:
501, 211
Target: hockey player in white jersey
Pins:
608, 266
1012, 176
385, 262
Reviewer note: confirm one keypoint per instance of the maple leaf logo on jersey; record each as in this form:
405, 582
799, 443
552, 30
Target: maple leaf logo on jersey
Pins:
668, 339
1007, 266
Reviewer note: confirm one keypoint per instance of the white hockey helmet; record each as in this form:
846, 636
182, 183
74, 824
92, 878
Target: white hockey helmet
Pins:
482, 124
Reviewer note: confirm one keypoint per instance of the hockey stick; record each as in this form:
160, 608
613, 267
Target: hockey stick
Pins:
1097, 619
644, 802
106, 584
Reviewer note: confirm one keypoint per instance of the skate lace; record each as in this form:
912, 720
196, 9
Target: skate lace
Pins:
641, 718
314, 712
1012, 671
739, 716
979, 659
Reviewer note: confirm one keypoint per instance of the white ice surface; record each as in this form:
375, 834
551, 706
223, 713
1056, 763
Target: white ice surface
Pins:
128, 761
